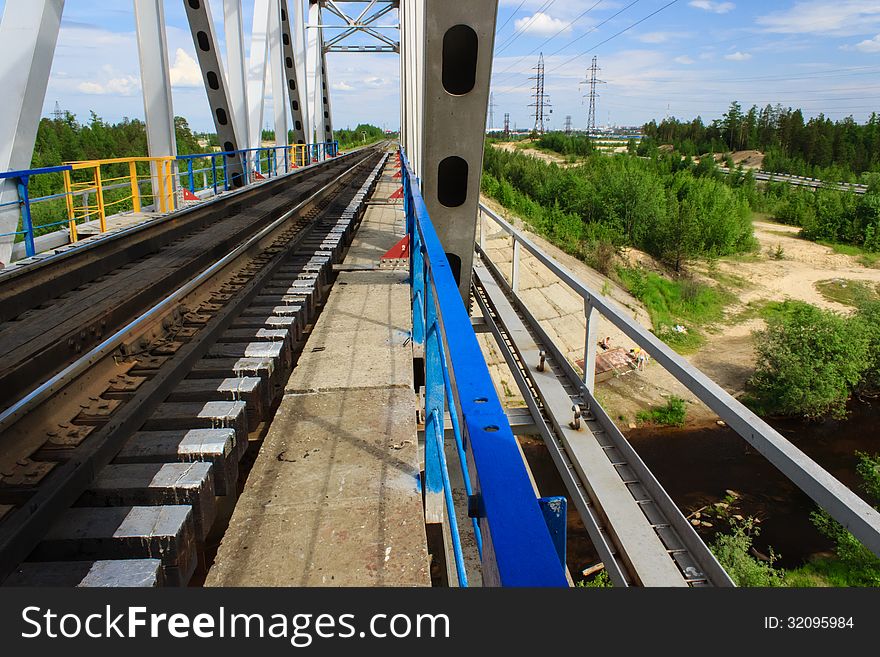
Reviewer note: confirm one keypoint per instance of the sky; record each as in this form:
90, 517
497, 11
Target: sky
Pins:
683, 58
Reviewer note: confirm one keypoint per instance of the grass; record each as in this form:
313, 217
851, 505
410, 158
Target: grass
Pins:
848, 292
672, 414
671, 303
866, 258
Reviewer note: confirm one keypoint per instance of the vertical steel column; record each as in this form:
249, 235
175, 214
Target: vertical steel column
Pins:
590, 345
459, 40
279, 81
257, 72
237, 68
201, 24
514, 274
156, 83
326, 107
322, 120
418, 79
28, 35
288, 50
300, 59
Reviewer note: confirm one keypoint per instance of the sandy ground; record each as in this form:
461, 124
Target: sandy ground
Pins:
551, 158
728, 356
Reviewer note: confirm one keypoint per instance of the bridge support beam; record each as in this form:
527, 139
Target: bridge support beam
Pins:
201, 25
322, 119
156, 84
28, 35
257, 71
300, 59
279, 81
237, 69
459, 40
288, 50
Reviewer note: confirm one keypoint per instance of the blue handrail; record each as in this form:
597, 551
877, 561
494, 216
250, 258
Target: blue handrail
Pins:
517, 548
22, 178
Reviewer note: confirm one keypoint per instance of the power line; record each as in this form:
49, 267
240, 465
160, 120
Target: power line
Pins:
509, 18
516, 35
612, 37
590, 31
537, 48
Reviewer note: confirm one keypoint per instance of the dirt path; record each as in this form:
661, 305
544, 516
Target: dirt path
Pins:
550, 158
728, 356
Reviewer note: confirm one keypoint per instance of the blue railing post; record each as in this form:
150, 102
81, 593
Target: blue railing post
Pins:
214, 172
25, 200
192, 179
225, 172
517, 547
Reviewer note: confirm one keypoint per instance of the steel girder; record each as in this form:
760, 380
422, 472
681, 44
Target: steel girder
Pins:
198, 14
459, 41
28, 35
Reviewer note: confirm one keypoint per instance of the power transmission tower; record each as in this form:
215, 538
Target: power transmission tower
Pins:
507, 125
542, 102
492, 111
593, 80
58, 114
568, 124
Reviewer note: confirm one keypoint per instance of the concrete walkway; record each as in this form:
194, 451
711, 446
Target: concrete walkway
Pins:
333, 498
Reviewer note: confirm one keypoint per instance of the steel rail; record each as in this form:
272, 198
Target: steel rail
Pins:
61, 380
25, 527
840, 502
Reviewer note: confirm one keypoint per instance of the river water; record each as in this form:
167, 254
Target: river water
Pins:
697, 466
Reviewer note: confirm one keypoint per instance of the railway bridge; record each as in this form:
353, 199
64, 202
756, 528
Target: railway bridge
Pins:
262, 365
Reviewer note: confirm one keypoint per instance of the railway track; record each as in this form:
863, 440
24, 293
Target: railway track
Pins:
641, 536
166, 349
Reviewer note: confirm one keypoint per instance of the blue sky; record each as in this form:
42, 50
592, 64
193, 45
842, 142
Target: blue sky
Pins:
690, 58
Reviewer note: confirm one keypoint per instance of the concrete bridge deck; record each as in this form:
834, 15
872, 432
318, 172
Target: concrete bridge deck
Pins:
334, 496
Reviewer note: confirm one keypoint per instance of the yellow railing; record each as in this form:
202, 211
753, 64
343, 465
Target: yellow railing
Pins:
161, 167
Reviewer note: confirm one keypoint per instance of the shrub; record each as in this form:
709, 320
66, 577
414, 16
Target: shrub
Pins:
673, 414
733, 552
809, 360
863, 566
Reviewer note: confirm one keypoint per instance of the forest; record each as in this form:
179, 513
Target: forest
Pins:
64, 139
674, 213
819, 147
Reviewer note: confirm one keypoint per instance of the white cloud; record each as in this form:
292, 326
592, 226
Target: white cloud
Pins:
869, 45
541, 24
738, 56
714, 7
115, 84
661, 37
185, 71
341, 86
841, 18
684, 59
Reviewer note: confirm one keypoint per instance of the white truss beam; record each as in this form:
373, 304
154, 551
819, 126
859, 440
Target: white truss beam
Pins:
237, 68
198, 14
257, 71
279, 81
459, 40
155, 82
288, 48
28, 36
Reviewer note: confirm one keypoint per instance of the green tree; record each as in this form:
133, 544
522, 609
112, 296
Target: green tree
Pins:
808, 362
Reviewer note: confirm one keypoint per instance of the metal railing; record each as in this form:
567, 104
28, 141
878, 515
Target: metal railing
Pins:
277, 160
98, 183
22, 179
511, 528
92, 193
839, 501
